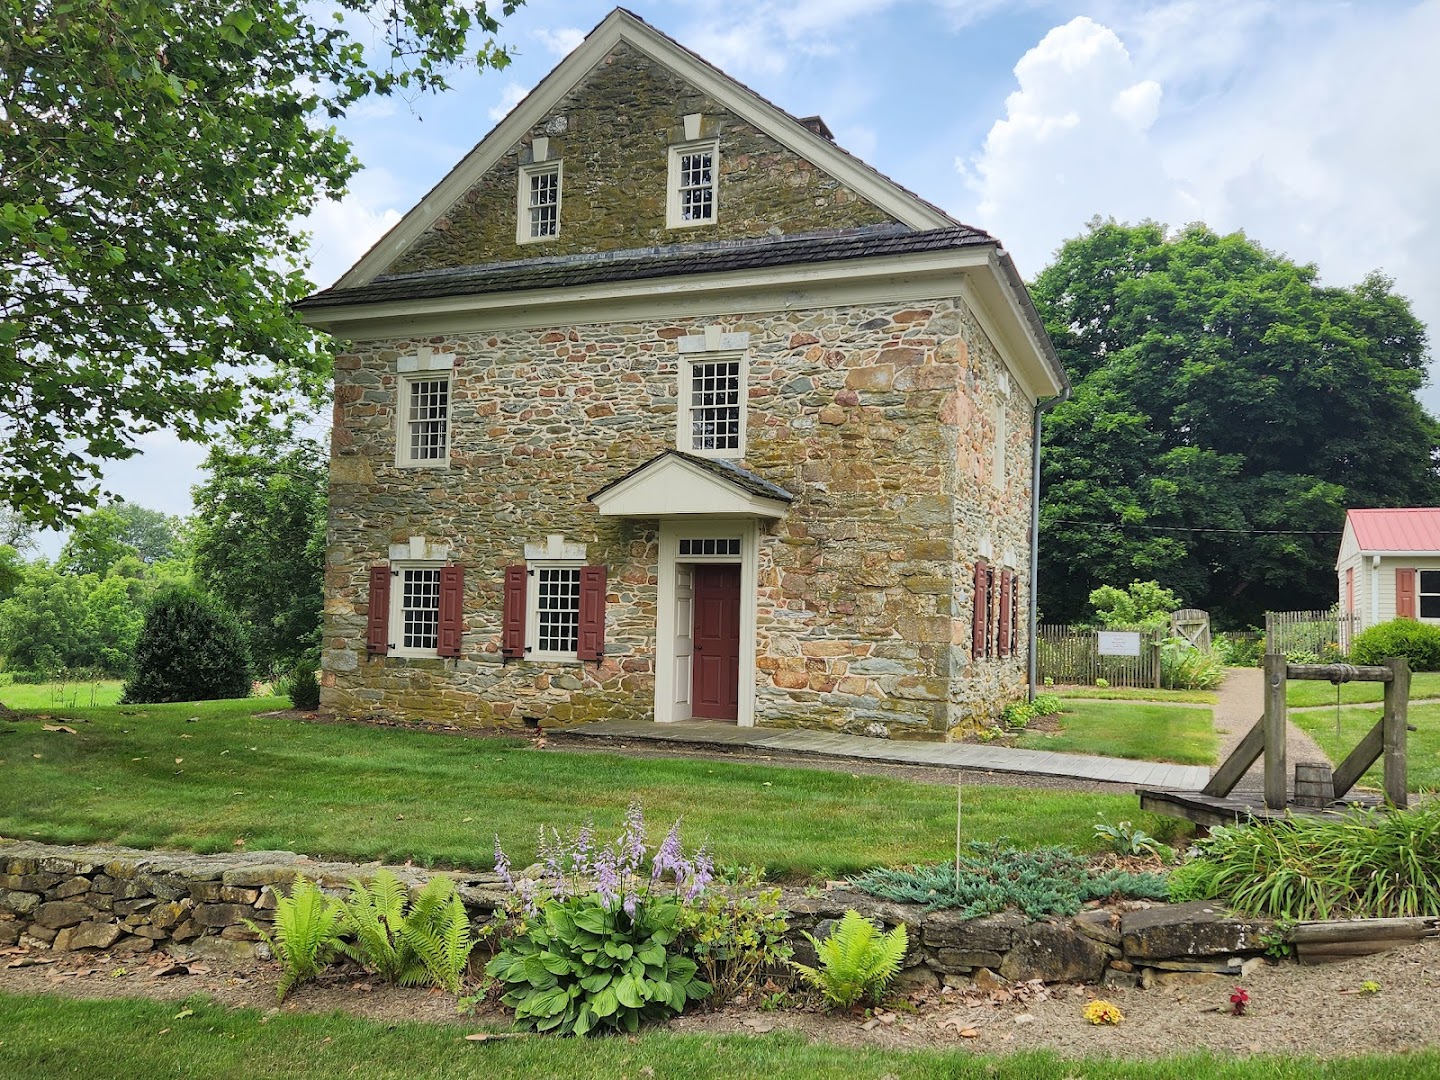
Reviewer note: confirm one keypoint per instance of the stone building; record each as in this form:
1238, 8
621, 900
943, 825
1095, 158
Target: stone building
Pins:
661, 405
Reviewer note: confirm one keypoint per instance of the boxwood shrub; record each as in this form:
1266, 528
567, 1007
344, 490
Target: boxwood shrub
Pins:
1416, 641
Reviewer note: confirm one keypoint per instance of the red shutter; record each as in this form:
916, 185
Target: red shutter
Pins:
1014, 630
377, 627
1005, 579
591, 644
1405, 594
512, 619
982, 612
452, 610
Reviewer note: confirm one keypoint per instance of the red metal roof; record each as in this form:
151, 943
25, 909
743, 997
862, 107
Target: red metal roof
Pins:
1415, 528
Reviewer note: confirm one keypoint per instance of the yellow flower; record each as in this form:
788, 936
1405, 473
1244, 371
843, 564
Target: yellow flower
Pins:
1102, 1012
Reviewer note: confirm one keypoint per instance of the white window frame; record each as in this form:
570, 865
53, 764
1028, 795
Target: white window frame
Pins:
532, 609
524, 233
397, 607
1002, 441
425, 365
674, 215
685, 431
1421, 594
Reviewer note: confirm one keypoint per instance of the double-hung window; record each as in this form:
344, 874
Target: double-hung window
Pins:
554, 621
715, 406
1429, 594
538, 212
694, 168
422, 410
415, 609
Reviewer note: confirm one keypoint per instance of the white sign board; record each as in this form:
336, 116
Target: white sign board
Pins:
1119, 642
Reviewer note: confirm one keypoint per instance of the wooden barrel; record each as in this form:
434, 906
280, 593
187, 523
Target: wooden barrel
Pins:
1314, 783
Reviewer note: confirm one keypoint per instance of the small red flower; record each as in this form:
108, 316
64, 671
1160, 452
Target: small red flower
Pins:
1238, 1000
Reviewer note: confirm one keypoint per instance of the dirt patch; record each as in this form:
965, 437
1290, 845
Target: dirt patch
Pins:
1318, 1011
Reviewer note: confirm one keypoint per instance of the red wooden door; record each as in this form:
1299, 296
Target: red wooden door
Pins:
716, 679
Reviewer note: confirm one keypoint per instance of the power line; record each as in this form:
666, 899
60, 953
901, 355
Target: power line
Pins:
1196, 529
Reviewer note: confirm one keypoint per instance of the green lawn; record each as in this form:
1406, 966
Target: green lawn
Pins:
1422, 746
357, 792
1298, 693
56, 1037
1128, 693
1143, 732
61, 695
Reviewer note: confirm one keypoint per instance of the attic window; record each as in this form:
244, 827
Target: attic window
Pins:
538, 212
693, 169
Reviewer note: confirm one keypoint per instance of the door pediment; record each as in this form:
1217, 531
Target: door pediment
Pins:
674, 484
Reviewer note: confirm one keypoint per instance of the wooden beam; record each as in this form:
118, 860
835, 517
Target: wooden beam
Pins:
1238, 763
1402, 929
1395, 722
1274, 720
1365, 754
1340, 672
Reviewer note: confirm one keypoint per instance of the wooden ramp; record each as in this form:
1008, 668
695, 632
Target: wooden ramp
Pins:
1212, 810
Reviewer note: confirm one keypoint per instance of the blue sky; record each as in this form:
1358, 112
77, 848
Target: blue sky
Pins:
1309, 124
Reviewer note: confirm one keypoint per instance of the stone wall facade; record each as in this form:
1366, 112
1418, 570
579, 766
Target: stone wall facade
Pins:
126, 901
612, 134
881, 419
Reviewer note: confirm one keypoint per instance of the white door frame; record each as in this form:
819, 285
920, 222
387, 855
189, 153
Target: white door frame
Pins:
672, 531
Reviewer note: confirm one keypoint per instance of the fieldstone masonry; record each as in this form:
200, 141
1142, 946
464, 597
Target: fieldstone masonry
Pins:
127, 901
881, 420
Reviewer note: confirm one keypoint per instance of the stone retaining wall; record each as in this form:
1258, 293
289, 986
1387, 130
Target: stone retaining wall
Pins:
128, 901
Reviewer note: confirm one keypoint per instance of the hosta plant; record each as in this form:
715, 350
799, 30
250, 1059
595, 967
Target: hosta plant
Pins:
857, 960
581, 966
306, 935
595, 938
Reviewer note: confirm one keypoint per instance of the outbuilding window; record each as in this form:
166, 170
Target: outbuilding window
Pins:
1429, 594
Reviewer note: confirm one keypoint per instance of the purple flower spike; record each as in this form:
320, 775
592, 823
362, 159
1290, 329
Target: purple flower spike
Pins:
607, 879
669, 857
584, 846
632, 840
502, 865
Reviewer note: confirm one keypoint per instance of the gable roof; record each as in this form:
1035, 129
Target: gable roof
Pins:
1406, 529
622, 25
673, 483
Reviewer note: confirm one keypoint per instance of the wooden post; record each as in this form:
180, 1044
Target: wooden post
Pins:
1155, 644
1397, 716
1275, 730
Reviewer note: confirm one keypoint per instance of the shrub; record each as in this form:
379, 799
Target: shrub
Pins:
1141, 603
304, 688
587, 957
857, 960
306, 936
735, 937
1184, 667
411, 944
1238, 651
1019, 713
1040, 882
1416, 641
1364, 864
189, 649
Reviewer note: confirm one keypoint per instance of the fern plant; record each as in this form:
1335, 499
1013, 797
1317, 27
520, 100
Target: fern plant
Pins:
857, 960
428, 941
306, 936
437, 931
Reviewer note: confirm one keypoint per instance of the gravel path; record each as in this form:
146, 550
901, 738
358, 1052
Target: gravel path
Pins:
1242, 700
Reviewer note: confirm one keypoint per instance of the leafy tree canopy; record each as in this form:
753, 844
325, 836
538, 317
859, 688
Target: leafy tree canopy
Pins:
1227, 409
155, 154
259, 539
101, 539
1141, 603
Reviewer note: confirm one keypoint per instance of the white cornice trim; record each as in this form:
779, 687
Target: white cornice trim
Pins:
620, 26
973, 274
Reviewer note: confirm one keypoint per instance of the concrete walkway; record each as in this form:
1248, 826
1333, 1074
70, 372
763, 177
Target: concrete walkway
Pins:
937, 754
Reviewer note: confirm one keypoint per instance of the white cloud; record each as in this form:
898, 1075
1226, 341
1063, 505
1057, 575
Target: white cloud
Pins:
1305, 126
341, 231
511, 96
1074, 141
562, 40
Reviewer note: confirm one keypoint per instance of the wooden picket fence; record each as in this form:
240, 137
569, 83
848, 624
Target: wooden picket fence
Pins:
1327, 634
1071, 654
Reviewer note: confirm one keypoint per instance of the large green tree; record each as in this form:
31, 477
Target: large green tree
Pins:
104, 536
258, 537
1227, 409
155, 155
